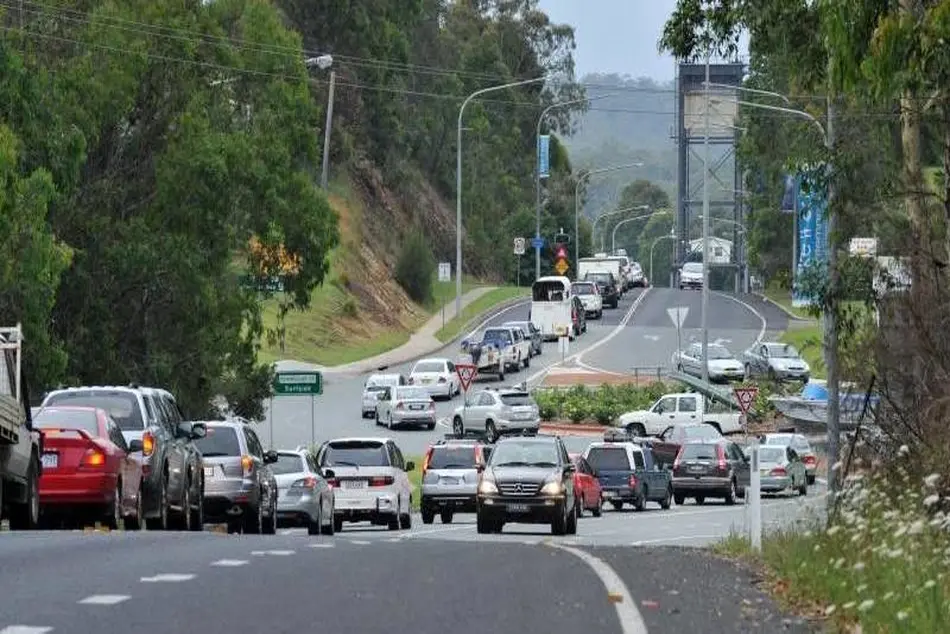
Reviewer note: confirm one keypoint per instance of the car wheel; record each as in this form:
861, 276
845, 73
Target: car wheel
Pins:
731, 493
160, 523
700, 499
446, 516
337, 523
254, 522
114, 512
428, 515
559, 523
376, 417
803, 489
457, 427
315, 527
491, 433
667, 501
597, 511
137, 521
405, 520
198, 514
678, 499
810, 479
617, 505
330, 528
394, 522
184, 516
571, 525
482, 525
270, 525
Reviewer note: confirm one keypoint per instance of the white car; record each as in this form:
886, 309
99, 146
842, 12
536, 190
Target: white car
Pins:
374, 386
438, 376
691, 275
370, 480
722, 364
590, 297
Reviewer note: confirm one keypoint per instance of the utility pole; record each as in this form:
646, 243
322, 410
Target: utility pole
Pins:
324, 175
831, 305
705, 310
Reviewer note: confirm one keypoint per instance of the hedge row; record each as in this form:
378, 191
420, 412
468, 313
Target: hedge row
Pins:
603, 404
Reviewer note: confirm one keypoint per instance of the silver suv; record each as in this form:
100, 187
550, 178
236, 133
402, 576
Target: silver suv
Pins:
450, 478
497, 412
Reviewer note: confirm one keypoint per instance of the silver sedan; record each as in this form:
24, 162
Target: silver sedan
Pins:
304, 497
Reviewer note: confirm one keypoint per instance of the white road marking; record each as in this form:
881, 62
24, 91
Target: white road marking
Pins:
167, 578
25, 629
280, 553
684, 538
652, 337
105, 599
752, 310
631, 621
321, 546
360, 542
433, 531
230, 563
394, 540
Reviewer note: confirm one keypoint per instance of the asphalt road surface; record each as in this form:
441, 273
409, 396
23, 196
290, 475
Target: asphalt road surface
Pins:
336, 412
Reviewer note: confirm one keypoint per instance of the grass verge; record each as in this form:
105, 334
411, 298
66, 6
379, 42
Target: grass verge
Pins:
415, 479
481, 305
783, 297
881, 564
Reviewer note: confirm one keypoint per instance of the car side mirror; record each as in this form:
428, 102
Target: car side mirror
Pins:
480, 467
136, 446
329, 474
570, 468
270, 457
380, 396
183, 430
410, 466
198, 430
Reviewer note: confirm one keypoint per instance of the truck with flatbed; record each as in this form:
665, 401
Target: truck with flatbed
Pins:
680, 407
20, 445
490, 354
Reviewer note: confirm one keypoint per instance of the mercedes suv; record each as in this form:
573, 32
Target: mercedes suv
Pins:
527, 481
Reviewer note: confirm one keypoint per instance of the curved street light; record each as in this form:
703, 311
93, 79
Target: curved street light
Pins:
603, 237
613, 236
581, 177
672, 236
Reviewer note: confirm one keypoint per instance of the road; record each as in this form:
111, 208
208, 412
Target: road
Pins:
336, 412
428, 580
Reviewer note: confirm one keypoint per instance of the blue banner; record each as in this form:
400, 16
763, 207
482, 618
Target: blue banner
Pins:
544, 163
812, 196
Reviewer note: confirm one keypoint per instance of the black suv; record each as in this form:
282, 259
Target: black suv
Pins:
609, 290
530, 481
153, 425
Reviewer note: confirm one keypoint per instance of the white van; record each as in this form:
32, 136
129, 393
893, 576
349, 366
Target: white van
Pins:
552, 307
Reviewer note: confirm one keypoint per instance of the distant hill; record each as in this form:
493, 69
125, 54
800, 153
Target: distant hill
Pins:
630, 120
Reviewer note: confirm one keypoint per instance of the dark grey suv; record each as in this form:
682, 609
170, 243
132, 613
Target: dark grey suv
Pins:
240, 487
153, 425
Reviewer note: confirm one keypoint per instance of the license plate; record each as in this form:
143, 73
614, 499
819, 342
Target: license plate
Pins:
426, 381
450, 480
50, 460
697, 468
417, 407
354, 484
610, 494
517, 508
209, 472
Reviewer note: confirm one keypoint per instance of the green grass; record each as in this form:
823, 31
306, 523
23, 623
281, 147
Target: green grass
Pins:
481, 305
880, 565
415, 480
783, 297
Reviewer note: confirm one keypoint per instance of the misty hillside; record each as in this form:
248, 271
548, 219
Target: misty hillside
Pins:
630, 120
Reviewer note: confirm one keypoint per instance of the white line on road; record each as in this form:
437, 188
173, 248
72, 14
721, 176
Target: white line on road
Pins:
360, 542
684, 538
752, 310
439, 530
167, 578
631, 621
105, 599
230, 563
394, 540
321, 546
25, 629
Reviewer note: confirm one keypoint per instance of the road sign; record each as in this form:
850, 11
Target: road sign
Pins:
466, 373
519, 246
537, 243
561, 267
445, 271
678, 315
265, 284
746, 396
561, 253
298, 383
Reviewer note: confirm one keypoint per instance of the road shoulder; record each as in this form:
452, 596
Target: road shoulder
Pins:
693, 590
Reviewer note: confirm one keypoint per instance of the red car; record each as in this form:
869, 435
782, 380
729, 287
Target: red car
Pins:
87, 466
586, 486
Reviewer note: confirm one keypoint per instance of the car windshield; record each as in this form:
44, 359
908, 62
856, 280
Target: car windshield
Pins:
783, 351
377, 383
701, 432
453, 457
530, 453
219, 441
771, 454
800, 443
375, 388
355, 453
693, 267
412, 394
429, 366
52, 418
584, 289
718, 352
608, 459
288, 463
516, 400
122, 406
520, 325
497, 335
700, 451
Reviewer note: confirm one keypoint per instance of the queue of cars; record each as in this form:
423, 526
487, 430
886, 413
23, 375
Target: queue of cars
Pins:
774, 360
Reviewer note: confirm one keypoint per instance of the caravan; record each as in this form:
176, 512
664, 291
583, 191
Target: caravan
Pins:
552, 307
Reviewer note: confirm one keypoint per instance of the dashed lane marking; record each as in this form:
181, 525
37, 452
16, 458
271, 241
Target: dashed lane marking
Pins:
359, 542
394, 540
684, 538
273, 553
25, 629
166, 578
321, 545
105, 599
230, 563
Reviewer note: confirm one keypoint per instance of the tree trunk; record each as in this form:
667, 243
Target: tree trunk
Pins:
946, 180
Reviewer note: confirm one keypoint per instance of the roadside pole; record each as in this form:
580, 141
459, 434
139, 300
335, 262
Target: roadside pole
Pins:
270, 421
466, 373
745, 397
313, 421
302, 383
445, 275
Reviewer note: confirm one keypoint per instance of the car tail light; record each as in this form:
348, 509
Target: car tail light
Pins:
810, 460
676, 461
333, 482
778, 471
309, 482
399, 405
148, 443
722, 458
247, 463
426, 461
93, 459
380, 481
633, 482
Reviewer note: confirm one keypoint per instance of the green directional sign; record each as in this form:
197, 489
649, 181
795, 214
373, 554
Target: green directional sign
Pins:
298, 383
273, 284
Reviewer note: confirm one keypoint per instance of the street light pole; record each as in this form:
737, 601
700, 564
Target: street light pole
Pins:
613, 236
705, 300
324, 62
458, 183
577, 201
614, 213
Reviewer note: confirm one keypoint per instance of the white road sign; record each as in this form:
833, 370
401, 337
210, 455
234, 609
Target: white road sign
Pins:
519, 246
445, 271
678, 315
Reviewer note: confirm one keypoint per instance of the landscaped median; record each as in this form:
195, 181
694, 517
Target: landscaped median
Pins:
477, 309
882, 564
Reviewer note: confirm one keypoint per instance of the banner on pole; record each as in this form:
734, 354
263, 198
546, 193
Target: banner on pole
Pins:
789, 194
544, 163
812, 230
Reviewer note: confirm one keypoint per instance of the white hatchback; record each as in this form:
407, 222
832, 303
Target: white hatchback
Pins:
438, 376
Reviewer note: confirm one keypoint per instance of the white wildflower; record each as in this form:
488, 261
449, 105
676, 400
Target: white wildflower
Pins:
858, 566
929, 584
901, 530
916, 528
888, 596
839, 563
903, 615
866, 605
932, 480
817, 547
849, 605
834, 530
856, 538
830, 609
930, 500
861, 589
904, 450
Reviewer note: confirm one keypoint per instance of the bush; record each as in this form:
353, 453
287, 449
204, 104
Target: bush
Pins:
416, 267
603, 405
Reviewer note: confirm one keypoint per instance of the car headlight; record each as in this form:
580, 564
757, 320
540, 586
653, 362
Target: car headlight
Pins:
487, 486
555, 487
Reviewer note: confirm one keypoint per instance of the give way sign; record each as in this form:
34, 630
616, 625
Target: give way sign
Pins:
745, 397
466, 373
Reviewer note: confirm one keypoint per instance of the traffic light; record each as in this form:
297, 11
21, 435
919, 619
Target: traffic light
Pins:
562, 238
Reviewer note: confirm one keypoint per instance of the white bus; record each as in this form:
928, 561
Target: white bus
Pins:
552, 307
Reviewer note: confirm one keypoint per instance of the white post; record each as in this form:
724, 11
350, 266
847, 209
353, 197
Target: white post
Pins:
755, 498
324, 176
313, 423
705, 298
270, 420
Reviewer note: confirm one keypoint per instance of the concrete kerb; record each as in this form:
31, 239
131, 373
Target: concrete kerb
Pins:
791, 315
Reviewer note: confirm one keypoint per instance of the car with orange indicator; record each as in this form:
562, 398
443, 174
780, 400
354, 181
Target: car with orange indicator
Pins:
153, 426
587, 487
87, 467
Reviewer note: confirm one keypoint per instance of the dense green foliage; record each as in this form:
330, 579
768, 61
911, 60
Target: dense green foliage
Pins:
602, 405
415, 267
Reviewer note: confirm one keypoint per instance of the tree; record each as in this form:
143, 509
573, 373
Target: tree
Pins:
415, 268
644, 192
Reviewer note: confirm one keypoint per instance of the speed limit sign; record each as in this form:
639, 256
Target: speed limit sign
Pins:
519, 246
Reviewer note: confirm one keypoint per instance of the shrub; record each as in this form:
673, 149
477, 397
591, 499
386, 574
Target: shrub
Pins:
416, 267
604, 404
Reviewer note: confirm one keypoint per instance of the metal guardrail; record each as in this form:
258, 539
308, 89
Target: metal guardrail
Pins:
712, 392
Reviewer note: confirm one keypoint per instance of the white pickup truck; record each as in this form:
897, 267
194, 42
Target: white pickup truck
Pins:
682, 407
501, 349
